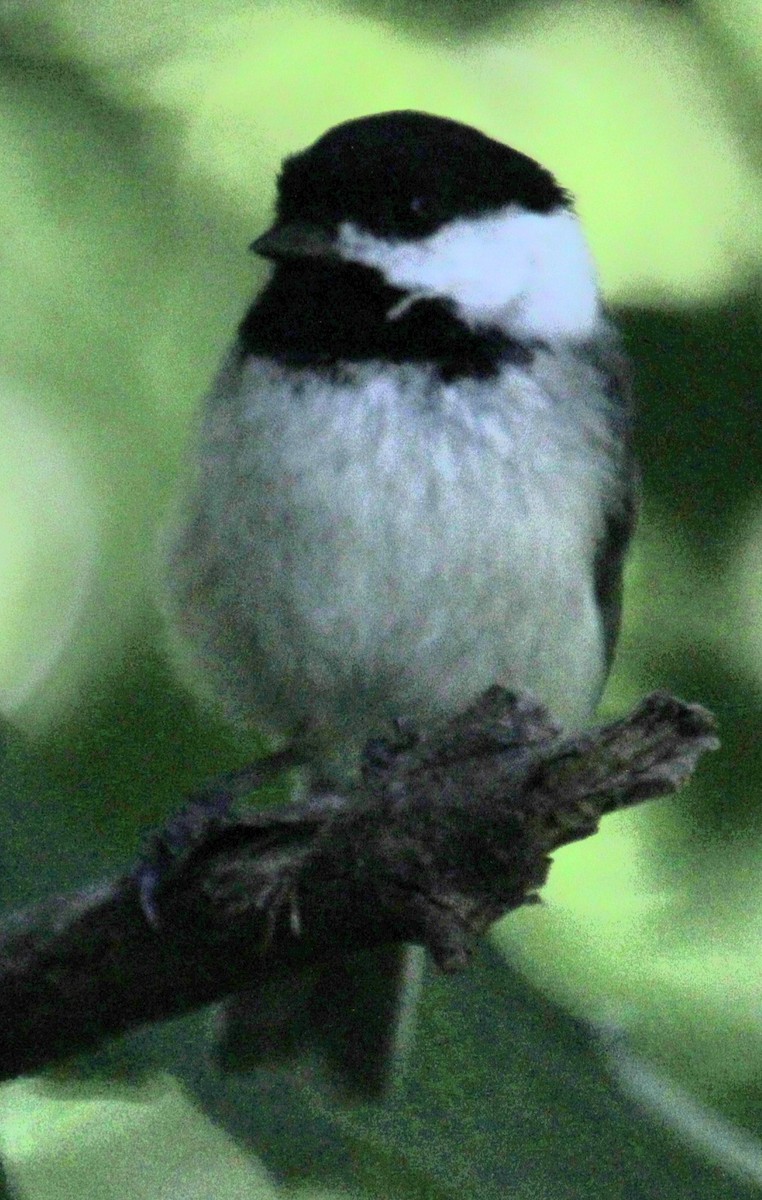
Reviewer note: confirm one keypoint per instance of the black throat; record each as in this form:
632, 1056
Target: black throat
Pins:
319, 315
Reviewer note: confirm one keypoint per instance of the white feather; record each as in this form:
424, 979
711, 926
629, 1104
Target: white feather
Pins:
381, 544
529, 274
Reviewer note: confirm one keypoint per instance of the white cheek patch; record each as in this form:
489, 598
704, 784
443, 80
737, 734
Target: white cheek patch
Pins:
530, 274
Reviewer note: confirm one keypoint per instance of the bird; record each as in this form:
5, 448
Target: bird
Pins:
413, 477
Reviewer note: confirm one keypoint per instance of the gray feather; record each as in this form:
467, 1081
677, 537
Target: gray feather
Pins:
370, 543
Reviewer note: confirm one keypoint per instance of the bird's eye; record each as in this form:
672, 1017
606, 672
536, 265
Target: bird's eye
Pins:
418, 206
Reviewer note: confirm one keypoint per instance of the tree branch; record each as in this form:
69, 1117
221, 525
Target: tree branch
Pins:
446, 834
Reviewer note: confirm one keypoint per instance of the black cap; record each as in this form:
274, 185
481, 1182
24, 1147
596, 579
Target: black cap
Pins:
403, 174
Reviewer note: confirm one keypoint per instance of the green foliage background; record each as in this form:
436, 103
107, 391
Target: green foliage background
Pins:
138, 148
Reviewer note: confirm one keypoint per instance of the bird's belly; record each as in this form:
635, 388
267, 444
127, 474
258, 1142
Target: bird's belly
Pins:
419, 630
376, 575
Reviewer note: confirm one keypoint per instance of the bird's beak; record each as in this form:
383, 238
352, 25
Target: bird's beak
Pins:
295, 239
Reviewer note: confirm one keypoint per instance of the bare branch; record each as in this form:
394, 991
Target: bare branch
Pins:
447, 833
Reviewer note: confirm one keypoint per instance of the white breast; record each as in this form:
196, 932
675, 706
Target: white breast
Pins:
390, 546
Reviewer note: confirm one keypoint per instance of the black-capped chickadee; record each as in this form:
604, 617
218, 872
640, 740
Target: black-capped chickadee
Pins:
413, 479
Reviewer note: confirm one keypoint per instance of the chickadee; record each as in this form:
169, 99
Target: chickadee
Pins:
413, 479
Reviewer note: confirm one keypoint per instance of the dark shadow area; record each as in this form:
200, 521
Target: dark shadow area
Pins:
506, 1095
448, 19
700, 439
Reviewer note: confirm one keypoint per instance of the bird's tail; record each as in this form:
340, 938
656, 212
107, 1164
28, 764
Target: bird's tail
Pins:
347, 1026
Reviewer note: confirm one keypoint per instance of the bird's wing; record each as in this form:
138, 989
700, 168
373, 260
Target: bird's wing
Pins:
622, 510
